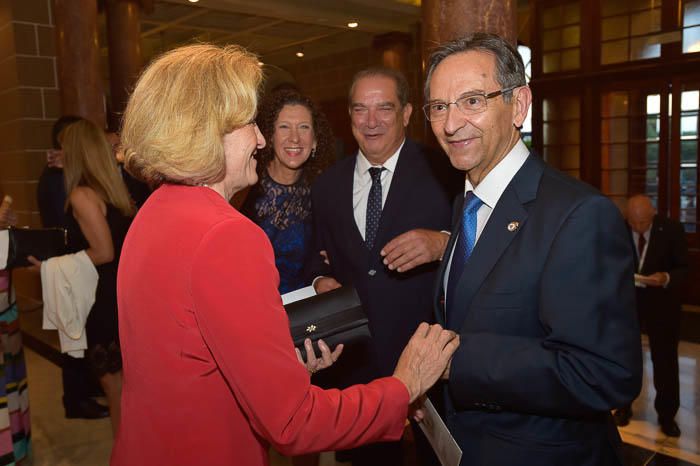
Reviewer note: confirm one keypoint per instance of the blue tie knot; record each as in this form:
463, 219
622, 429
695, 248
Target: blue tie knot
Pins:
376, 173
471, 203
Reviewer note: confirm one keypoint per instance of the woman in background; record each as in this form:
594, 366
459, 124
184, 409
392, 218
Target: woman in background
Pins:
300, 147
98, 214
14, 412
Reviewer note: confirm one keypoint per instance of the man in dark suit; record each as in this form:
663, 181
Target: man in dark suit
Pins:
536, 279
379, 216
661, 261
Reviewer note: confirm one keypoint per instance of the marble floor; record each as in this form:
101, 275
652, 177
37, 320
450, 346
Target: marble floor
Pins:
643, 431
68, 442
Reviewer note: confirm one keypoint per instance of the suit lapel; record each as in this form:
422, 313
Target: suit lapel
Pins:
439, 289
345, 206
496, 236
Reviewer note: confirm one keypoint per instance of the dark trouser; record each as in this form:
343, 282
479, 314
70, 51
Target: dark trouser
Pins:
663, 328
77, 380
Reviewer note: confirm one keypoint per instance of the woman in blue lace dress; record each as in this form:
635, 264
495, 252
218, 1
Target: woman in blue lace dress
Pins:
299, 147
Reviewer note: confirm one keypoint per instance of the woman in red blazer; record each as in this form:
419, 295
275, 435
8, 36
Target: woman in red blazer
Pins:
210, 372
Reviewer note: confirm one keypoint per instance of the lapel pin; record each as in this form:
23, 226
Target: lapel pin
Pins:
512, 226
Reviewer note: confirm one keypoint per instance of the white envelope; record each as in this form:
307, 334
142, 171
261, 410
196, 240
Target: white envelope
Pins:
444, 444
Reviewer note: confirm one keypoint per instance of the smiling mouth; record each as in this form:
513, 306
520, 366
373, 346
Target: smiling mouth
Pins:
461, 142
293, 150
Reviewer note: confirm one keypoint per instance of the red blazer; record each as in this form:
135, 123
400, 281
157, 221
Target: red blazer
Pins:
210, 373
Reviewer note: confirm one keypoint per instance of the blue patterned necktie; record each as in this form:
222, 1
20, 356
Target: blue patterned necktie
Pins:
374, 206
464, 245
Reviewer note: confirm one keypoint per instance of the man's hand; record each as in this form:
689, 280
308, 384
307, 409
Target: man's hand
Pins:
324, 284
414, 248
54, 158
446, 375
324, 256
655, 279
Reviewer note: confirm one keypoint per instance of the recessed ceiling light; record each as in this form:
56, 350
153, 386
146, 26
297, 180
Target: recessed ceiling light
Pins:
300, 54
353, 24
193, 1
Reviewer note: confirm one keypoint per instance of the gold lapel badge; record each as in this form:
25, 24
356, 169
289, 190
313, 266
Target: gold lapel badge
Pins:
311, 328
512, 226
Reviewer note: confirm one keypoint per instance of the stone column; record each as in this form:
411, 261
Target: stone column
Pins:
394, 50
125, 59
78, 56
445, 20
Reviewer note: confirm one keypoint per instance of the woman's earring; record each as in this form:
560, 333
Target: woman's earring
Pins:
313, 152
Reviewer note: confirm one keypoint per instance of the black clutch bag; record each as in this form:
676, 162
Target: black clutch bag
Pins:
41, 243
336, 317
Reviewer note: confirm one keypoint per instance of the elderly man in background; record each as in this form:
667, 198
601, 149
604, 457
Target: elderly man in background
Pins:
661, 260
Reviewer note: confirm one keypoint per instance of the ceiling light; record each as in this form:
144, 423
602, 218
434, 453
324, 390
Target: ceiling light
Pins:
193, 1
300, 54
353, 24
260, 63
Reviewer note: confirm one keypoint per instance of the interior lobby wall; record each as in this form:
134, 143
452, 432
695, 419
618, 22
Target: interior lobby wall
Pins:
29, 103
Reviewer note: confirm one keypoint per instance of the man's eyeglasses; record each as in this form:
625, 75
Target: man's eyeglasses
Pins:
469, 104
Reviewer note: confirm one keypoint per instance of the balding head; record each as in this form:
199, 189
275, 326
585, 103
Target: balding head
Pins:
640, 213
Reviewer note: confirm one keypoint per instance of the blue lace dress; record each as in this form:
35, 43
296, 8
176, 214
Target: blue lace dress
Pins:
284, 213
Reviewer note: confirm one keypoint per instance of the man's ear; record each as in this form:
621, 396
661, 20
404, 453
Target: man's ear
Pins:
522, 98
407, 110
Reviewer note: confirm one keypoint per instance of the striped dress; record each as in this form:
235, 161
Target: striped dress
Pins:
14, 396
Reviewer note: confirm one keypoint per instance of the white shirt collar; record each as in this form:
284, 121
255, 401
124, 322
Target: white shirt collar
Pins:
491, 188
363, 165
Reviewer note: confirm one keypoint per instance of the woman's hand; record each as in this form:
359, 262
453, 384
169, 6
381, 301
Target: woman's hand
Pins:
425, 358
314, 364
36, 265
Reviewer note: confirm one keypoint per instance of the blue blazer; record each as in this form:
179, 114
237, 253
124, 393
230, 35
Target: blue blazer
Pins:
549, 335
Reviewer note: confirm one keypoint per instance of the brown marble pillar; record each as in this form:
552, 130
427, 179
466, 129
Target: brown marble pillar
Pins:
78, 56
445, 20
394, 49
125, 60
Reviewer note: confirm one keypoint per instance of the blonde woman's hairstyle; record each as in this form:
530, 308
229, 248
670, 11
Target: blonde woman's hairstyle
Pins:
183, 105
89, 162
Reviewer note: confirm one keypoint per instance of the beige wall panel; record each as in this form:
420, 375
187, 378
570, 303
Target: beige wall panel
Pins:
23, 196
22, 166
7, 42
47, 40
36, 134
11, 136
52, 104
36, 71
25, 39
31, 11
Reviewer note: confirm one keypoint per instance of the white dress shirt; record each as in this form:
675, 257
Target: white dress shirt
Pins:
643, 255
489, 191
362, 182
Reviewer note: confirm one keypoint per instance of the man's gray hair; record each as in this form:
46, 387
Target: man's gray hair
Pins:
510, 71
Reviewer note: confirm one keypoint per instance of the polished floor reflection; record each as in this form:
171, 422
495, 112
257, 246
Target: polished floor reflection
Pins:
643, 431
68, 442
